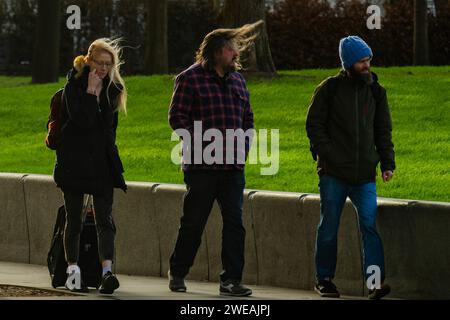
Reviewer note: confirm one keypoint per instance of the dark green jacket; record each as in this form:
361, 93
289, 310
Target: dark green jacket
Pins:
350, 130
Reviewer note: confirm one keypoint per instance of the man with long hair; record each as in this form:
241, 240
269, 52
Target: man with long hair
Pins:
212, 92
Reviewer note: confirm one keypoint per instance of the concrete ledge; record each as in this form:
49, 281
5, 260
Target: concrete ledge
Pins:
280, 240
432, 221
14, 245
416, 238
168, 211
42, 199
137, 241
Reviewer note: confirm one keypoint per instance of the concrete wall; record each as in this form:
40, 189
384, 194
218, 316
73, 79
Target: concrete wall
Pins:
42, 200
280, 241
137, 239
14, 240
416, 239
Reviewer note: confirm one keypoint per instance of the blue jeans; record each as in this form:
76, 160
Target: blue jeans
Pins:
333, 193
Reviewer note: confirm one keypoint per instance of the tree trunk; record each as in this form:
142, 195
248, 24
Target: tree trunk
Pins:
215, 5
237, 13
47, 40
156, 56
421, 48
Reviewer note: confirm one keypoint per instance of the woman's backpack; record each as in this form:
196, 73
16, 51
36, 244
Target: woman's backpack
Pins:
56, 120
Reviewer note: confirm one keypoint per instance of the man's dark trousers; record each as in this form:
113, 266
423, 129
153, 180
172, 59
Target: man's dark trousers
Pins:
203, 187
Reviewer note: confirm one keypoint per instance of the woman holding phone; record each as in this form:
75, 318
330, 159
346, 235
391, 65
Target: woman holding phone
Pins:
87, 159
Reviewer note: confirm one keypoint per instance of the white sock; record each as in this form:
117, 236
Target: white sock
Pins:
70, 282
106, 270
73, 267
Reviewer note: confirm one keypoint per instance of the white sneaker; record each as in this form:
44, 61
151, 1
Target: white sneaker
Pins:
74, 282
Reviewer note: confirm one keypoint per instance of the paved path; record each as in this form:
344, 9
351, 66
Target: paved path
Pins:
145, 288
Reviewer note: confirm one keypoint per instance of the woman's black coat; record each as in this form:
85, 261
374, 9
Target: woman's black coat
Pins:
87, 159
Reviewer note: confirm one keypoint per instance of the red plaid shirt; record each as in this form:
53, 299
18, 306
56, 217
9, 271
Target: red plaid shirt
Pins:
219, 103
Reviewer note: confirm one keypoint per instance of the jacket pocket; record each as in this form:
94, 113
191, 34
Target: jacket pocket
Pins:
338, 156
115, 160
373, 157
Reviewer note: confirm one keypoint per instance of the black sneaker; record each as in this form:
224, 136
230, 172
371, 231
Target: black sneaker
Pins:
234, 288
109, 283
326, 289
377, 294
176, 284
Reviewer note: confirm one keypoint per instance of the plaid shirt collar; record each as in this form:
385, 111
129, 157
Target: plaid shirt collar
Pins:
211, 74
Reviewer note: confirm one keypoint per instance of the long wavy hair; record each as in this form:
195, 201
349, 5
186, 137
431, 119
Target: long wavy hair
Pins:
111, 46
242, 38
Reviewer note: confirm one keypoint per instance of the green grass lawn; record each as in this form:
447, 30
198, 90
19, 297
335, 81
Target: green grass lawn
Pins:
419, 98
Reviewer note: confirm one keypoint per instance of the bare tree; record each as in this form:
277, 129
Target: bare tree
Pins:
156, 52
45, 62
3, 12
421, 45
236, 13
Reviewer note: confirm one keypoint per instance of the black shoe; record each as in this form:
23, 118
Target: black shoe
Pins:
377, 294
109, 283
234, 288
326, 289
176, 284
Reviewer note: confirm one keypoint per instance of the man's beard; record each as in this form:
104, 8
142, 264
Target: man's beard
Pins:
366, 77
229, 68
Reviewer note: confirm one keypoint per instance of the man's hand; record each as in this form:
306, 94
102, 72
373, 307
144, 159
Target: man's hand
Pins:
387, 175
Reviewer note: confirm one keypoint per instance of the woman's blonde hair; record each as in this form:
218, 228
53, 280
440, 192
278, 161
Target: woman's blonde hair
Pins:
111, 46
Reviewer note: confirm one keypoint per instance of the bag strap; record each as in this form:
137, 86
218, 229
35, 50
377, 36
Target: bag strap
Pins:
59, 226
331, 91
64, 108
331, 88
376, 92
88, 203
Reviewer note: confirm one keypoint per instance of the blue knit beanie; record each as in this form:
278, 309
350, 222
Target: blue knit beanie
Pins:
352, 49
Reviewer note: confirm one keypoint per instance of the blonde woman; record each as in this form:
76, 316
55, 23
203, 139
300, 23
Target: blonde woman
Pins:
87, 160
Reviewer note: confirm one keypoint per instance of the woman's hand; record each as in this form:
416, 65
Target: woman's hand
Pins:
94, 82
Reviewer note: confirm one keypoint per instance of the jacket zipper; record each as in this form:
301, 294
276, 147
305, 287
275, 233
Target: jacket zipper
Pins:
357, 135
98, 103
